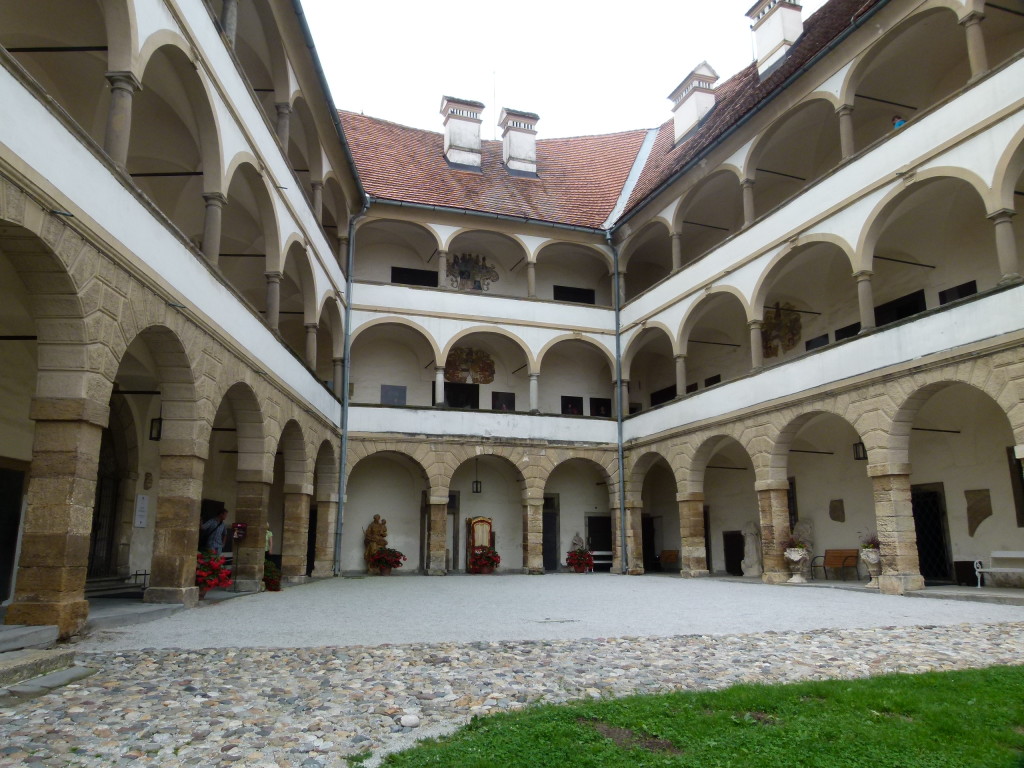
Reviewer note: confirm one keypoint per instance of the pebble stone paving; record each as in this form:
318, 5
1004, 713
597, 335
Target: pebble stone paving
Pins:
314, 707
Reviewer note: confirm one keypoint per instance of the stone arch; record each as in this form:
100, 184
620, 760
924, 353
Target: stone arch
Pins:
609, 477
493, 330
693, 312
691, 475
122, 34
1008, 172
774, 470
298, 471
245, 186
709, 212
255, 456
365, 450
298, 256
607, 353
601, 253
637, 471
330, 314
761, 143
461, 454
357, 331
763, 283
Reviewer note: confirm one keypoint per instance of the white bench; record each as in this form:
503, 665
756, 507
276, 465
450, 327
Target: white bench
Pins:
602, 558
979, 566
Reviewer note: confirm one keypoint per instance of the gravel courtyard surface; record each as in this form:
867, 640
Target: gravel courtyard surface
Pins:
314, 674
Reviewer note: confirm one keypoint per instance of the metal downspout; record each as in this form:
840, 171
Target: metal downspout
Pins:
346, 372
618, 402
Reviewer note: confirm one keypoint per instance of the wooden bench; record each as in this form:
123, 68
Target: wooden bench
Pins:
602, 558
838, 559
979, 566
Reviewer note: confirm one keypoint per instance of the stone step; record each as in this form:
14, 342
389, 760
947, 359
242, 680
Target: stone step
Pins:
14, 637
17, 666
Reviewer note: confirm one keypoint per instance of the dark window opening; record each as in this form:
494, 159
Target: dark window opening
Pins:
847, 331
691, 388
1017, 483
663, 395
817, 341
958, 292
462, 395
601, 406
897, 309
572, 405
635, 408
406, 276
391, 394
710, 381
577, 295
503, 401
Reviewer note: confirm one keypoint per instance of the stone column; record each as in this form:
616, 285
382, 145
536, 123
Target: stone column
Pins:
442, 269
773, 509
894, 518
634, 542
439, 387
50, 586
680, 375
625, 397
748, 201
326, 528
531, 280
215, 202
339, 376
252, 500
318, 200
123, 86
693, 554
273, 299
975, 44
229, 20
865, 299
619, 286
756, 345
677, 251
437, 539
176, 535
295, 537
1006, 247
533, 536
846, 143
534, 393
284, 122
343, 253
311, 329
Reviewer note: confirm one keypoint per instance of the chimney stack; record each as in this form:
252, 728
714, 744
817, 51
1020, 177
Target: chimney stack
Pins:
693, 98
519, 140
777, 25
461, 130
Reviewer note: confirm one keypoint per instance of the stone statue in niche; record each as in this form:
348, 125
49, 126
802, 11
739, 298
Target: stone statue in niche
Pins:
577, 542
466, 365
752, 550
375, 537
468, 272
781, 329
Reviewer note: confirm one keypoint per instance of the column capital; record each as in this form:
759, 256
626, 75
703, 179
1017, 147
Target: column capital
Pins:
534, 376
283, 108
273, 277
747, 183
126, 81
972, 18
863, 274
680, 356
215, 198
316, 184
755, 325
311, 326
677, 235
845, 109
1003, 214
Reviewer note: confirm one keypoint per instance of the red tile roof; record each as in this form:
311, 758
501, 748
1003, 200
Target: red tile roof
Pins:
737, 96
578, 179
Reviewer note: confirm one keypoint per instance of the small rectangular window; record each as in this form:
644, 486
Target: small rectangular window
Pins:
391, 394
577, 295
898, 309
601, 406
406, 276
958, 292
710, 381
847, 331
572, 405
635, 408
817, 341
663, 395
503, 401
691, 388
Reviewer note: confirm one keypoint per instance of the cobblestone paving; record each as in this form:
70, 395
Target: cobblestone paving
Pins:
312, 707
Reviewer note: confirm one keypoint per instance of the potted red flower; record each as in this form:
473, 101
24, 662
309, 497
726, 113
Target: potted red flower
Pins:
271, 576
211, 571
385, 558
483, 560
580, 560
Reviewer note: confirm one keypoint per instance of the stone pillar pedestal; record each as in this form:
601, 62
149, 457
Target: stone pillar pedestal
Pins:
437, 536
295, 537
894, 516
123, 86
326, 528
176, 536
846, 142
252, 499
533, 536
773, 509
865, 299
50, 586
634, 542
693, 553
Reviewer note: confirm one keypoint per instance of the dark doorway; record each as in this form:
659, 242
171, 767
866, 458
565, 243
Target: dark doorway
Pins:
462, 395
599, 538
311, 541
102, 560
11, 485
649, 551
732, 542
929, 504
707, 538
549, 545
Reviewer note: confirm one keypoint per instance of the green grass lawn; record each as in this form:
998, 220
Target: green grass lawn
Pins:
937, 720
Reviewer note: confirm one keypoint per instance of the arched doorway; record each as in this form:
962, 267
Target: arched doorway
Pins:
576, 503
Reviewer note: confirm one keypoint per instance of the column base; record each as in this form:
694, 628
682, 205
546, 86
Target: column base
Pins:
248, 585
535, 571
437, 572
899, 583
303, 579
186, 596
1011, 279
69, 617
323, 571
696, 574
635, 572
774, 578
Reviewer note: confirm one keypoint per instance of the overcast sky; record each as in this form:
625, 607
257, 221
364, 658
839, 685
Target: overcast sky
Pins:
584, 67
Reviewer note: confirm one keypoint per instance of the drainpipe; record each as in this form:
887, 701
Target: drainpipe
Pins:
346, 373
618, 402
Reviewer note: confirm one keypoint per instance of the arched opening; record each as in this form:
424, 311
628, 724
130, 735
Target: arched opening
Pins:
249, 238
711, 213
394, 486
1003, 30
334, 218
809, 301
330, 346
716, 342
651, 370
576, 379
290, 499
574, 273
259, 51
486, 262
730, 509
500, 499
487, 371
304, 151
576, 504
323, 514
111, 532
659, 520
298, 297
397, 252
649, 259
797, 151
392, 364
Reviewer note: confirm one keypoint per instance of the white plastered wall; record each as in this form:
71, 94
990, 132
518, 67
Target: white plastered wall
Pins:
582, 492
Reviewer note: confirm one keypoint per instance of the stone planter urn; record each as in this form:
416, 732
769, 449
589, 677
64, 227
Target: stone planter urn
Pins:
797, 559
873, 562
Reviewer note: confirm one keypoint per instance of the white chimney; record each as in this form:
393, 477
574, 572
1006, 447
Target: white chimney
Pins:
693, 98
461, 130
519, 139
777, 25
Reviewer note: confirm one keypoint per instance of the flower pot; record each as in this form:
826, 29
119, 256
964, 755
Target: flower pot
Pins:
580, 568
873, 562
796, 559
384, 570
202, 592
484, 569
